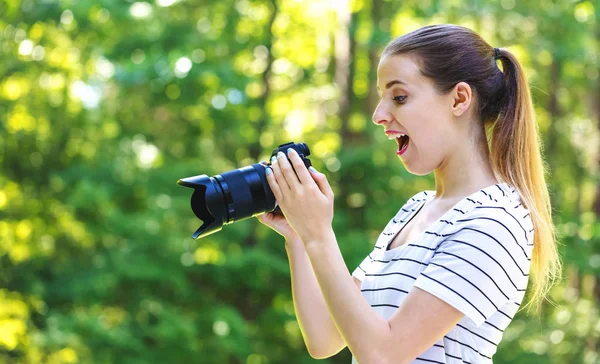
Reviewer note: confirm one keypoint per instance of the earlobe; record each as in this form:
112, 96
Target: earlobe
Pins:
462, 98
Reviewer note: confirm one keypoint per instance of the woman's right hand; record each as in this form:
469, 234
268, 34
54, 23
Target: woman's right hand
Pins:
278, 222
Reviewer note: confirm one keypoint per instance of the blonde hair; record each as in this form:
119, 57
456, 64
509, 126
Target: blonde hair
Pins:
517, 158
448, 54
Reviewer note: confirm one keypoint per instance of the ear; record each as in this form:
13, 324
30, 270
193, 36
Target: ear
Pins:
462, 96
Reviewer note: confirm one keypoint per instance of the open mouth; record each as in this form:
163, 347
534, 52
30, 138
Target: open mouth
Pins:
402, 144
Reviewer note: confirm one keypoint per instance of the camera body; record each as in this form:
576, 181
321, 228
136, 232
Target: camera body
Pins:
300, 148
235, 195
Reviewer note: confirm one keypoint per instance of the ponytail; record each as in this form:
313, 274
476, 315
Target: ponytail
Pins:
517, 158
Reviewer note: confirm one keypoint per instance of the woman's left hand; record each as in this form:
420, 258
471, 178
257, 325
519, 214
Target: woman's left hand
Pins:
304, 196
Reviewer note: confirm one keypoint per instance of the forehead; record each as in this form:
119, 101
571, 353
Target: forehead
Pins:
398, 67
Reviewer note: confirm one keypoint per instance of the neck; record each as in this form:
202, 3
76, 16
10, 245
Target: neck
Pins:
466, 172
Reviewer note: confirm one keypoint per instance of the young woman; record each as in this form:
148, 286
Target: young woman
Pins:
449, 271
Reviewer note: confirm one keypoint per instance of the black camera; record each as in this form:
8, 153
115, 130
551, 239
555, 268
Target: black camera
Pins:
235, 195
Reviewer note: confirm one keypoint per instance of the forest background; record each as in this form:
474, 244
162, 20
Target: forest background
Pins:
106, 103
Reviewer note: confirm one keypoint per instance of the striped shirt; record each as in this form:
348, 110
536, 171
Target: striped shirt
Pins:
475, 257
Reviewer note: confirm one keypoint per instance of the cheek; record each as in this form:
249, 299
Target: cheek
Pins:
431, 127
436, 140
431, 142
427, 122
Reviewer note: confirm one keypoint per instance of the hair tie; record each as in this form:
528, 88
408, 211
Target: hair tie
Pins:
496, 53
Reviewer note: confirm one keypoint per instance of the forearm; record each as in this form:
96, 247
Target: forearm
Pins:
362, 329
320, 335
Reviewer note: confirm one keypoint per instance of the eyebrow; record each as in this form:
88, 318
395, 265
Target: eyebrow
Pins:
392, 83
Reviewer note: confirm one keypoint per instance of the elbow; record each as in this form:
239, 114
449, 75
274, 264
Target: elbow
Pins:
318, 354
323, 352
322, 349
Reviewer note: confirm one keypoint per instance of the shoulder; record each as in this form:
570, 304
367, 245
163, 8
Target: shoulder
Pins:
497, 213
501, 205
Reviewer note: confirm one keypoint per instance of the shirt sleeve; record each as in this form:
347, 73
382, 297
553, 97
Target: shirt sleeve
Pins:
479, 265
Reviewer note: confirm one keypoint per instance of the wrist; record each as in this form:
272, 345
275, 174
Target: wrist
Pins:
326, 238
293, 243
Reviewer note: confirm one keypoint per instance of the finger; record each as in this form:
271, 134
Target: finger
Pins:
264, 218
322, 182
300, 168
287, 171
275, 187
279, 178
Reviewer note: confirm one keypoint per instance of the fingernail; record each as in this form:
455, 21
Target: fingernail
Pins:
280, 155
290, 150
268, 171
312, 169
273, 159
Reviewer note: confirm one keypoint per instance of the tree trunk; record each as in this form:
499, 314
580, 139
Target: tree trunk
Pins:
344, 51
553, 108
255, 149
596, 108
374, 49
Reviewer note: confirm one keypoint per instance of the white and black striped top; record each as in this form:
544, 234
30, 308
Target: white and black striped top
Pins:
476, 257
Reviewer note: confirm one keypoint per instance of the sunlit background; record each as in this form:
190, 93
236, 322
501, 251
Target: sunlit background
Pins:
106, 103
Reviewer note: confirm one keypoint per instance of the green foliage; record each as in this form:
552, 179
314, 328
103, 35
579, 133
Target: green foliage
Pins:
107, 103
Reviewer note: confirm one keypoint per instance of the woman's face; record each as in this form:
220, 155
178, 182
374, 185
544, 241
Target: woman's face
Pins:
410, 105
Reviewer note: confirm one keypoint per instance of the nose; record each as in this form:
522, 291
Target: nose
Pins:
381, 115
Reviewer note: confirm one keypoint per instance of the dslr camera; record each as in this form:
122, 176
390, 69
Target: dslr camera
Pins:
235, 195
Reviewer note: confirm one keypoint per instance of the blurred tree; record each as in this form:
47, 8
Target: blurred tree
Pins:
107, 103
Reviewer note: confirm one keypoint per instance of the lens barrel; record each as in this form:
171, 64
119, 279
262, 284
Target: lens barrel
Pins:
235, 195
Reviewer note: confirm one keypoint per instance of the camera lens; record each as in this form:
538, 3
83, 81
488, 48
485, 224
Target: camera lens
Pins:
229, 197
234, 195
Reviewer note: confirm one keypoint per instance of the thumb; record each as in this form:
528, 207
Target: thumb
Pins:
321, 181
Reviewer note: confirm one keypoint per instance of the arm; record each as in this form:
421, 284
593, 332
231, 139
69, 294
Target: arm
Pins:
479, 267
370, 337
321, 337
421, 320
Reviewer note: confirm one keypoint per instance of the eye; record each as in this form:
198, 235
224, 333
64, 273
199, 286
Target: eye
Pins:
399, 99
